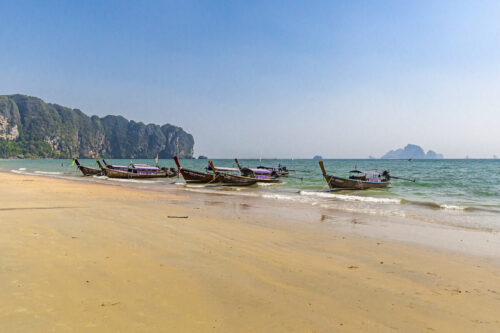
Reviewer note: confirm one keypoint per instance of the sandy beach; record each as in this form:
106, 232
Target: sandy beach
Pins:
81, 256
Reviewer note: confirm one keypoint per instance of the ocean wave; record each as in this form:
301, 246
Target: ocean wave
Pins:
453, 207
371, 211
436, 205
268, 184
346, 197
278, 196
49, 172
428, 204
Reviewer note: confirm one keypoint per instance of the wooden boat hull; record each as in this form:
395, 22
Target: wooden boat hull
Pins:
260, 175
86, 170
233, 180
89, 171
338, 183
170, 173
268, 180
228, 179
110, 173
195, 177
280, 173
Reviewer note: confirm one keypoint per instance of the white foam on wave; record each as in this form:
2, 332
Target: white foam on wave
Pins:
49, 172
280, 183
190, 186
308, 199
346, 197
278, 196
452, 207
304, 197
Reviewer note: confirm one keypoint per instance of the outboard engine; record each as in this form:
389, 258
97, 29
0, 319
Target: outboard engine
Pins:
246, 172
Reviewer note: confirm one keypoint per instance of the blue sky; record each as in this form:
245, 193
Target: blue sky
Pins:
270, 78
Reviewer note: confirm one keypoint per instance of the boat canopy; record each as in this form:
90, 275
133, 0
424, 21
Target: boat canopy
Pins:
261, 171
376, 173
222, 169
273, 168
144, 167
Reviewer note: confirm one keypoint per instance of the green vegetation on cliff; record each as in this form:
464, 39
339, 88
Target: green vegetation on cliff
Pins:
33, 128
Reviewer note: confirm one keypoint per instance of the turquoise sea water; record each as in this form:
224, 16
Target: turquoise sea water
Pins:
457, 193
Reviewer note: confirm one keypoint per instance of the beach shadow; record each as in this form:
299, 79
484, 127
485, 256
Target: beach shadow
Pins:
245, 206
356, 221
326, 217
213, 203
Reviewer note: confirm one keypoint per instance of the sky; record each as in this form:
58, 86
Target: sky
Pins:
286, 79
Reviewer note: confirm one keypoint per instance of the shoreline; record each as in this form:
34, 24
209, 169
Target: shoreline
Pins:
233, 265
406, 228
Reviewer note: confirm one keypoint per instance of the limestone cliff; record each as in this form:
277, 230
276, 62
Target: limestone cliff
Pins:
33, 128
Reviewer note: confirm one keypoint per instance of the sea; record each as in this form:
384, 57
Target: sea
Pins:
461, 193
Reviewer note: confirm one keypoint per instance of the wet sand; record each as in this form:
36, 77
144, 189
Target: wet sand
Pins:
78, 256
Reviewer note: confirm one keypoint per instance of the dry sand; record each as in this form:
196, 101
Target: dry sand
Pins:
79, 256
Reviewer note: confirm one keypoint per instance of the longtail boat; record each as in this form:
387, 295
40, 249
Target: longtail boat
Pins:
261, 175
172, 172
137, 172
280, 170
228, 179
222, 169
359, 180
192, 176
87, 171
114, 167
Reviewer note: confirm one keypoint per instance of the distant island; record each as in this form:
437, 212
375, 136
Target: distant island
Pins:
318, 157
413, 152
31, 128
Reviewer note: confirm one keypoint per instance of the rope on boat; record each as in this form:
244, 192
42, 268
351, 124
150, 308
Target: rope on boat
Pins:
214, 179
